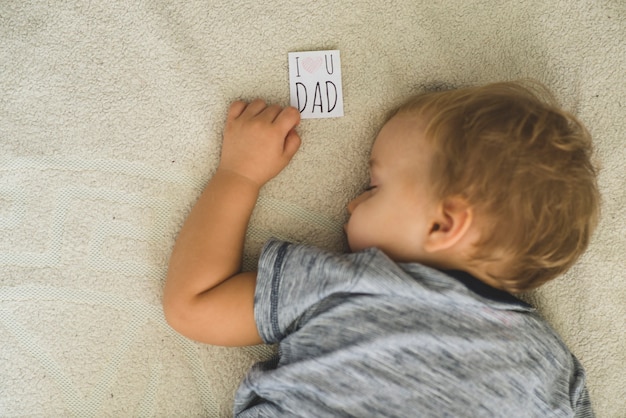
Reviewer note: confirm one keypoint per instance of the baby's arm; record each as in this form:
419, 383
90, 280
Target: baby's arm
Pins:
206, 298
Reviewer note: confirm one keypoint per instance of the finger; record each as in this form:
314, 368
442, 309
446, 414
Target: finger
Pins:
288, 118
270, 113
254, 108
235, 110
292, 144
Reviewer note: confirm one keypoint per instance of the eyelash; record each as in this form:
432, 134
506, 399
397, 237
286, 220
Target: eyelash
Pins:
369, 188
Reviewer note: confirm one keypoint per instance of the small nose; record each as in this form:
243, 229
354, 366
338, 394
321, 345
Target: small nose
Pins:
356, 202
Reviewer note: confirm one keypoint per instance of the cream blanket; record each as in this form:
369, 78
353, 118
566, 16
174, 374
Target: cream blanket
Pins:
111, 115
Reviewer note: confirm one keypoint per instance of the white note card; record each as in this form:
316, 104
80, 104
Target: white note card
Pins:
315, 83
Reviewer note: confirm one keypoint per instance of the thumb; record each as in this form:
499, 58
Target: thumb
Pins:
292, 144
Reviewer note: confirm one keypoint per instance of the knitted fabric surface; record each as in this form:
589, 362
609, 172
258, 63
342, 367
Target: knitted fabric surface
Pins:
111, 117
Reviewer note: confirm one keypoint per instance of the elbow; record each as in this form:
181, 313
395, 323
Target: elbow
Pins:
180, 318
173, 311
177, 310
182, 315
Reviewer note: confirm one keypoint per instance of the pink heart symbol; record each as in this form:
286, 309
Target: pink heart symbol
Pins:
312, 64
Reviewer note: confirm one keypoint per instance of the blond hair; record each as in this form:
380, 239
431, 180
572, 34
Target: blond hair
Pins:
523, 163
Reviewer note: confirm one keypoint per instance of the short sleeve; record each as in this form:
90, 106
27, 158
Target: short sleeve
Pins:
578, 392
292, 279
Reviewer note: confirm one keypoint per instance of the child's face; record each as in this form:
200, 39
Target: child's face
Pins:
395, 213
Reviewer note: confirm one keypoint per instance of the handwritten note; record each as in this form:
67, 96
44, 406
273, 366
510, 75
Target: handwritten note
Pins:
315, 83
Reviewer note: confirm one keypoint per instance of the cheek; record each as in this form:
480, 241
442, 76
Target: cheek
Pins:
360, 229
352, 230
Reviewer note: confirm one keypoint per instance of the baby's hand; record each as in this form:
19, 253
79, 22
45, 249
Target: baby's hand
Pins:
259, 140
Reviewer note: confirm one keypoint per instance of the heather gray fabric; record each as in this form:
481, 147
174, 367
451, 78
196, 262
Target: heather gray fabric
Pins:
362, 336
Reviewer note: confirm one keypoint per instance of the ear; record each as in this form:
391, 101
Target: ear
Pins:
450, 224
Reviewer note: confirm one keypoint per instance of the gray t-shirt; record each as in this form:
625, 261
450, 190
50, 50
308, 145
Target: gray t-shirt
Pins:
362, 336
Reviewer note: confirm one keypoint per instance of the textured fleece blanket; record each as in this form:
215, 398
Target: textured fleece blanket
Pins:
111, 115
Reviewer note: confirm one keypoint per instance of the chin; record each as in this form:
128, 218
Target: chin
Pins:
355, 247
359, 242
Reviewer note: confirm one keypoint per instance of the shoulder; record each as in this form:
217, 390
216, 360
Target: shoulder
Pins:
286, 260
